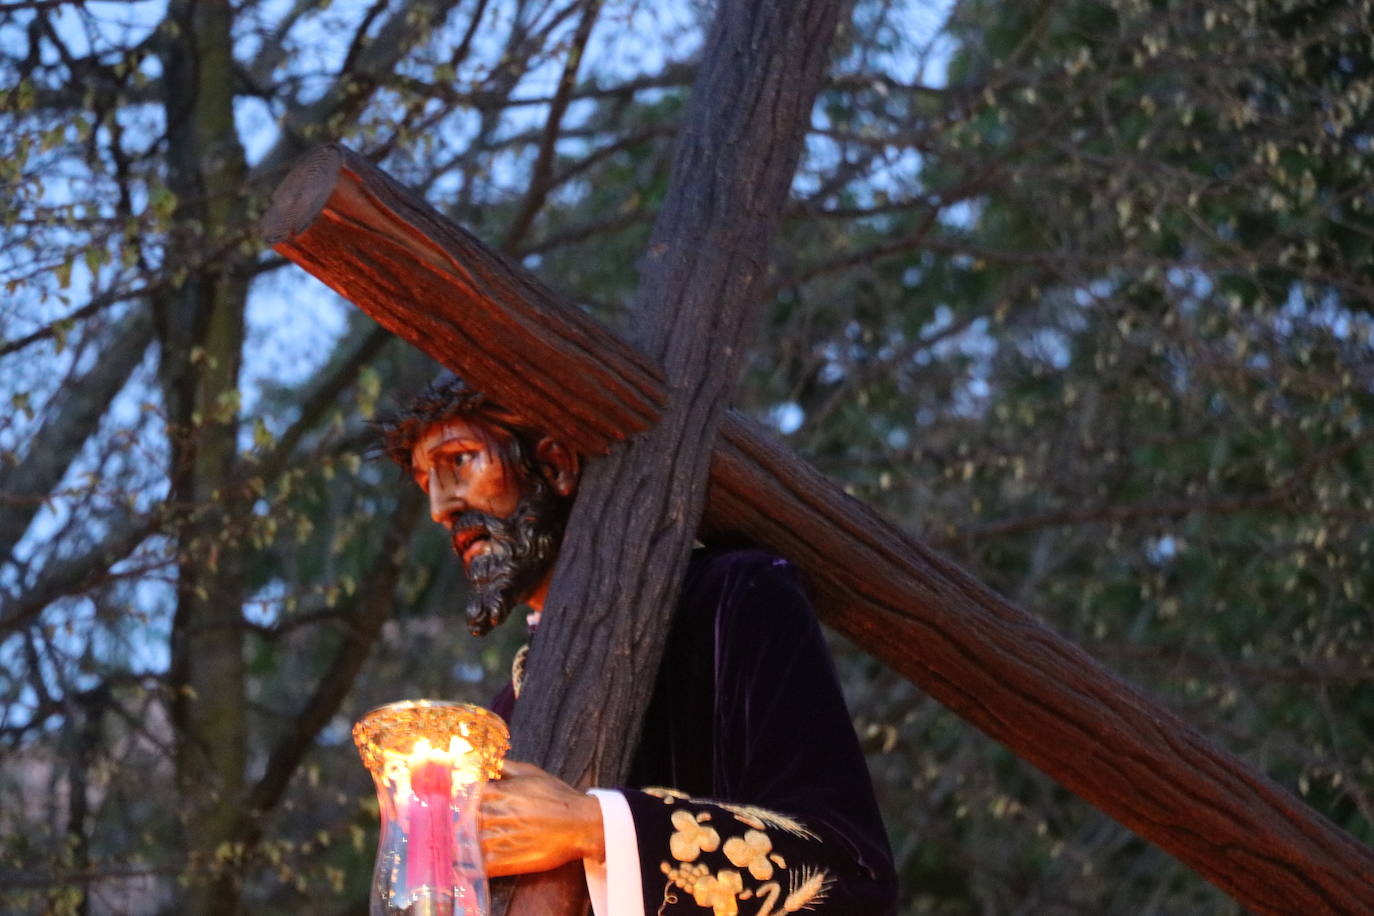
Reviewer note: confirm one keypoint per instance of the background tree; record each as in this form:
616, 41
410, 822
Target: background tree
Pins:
1078, 290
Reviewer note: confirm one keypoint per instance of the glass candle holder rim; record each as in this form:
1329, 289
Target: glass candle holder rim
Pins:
428, 703
436, 720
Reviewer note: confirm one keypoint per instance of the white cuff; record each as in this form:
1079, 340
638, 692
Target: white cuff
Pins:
614, 885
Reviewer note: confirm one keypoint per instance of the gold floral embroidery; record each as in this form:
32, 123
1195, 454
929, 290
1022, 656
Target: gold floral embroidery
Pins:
685, 877
751, 851
719, 892
723, 890
692, 836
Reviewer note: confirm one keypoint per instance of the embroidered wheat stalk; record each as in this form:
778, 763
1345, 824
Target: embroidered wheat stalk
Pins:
814, 882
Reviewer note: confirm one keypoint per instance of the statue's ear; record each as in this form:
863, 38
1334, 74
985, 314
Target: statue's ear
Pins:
558, 464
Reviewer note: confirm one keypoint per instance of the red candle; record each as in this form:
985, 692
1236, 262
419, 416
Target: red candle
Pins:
428, 822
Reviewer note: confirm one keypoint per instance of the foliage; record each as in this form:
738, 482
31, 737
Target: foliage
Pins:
1079, 290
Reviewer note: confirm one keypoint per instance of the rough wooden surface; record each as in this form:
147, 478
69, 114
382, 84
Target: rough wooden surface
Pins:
1038, 694
989, 661
591, 672
428, 281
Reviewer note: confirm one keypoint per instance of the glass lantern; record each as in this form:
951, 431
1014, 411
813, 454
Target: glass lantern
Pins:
429, 759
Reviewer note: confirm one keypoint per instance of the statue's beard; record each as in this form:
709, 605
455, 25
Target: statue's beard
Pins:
521, 549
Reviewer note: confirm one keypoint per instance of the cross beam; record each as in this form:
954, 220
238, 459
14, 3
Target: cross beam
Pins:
427, 280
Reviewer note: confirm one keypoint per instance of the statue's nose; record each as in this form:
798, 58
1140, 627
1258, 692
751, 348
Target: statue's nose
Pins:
444, 501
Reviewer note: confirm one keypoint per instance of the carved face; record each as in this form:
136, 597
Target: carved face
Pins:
505, 522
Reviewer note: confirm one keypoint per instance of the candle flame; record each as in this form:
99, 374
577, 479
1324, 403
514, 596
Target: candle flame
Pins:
460, 759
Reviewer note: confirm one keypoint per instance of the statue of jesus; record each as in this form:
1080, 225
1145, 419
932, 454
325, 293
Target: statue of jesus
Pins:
748, 793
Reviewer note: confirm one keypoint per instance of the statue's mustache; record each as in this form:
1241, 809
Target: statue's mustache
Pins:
519, 549
473, 525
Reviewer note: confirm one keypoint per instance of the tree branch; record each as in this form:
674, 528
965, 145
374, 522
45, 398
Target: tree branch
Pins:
1220, 505
541, 176
61, 325
65, 577
372, 609
58, 441
373, 66
323, 395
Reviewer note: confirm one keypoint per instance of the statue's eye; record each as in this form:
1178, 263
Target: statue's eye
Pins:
457, 460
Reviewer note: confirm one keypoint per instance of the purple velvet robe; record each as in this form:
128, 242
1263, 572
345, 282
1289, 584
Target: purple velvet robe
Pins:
751, 793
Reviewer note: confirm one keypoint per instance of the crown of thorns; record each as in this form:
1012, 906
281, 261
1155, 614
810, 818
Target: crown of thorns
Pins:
444, 398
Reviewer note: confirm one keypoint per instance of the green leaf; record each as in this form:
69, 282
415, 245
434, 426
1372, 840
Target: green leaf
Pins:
162, 202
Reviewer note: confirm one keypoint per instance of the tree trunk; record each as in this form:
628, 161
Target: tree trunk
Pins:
201, 327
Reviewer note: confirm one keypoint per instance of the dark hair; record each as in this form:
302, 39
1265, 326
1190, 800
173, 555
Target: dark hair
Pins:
445, 398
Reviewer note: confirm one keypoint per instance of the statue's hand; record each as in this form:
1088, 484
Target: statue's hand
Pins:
533, 821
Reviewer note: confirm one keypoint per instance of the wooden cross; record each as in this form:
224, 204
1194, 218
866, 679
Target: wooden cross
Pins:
429, 281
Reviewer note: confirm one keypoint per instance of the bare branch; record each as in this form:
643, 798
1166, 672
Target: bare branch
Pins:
373, 66
1220, 505
541, 176
61, 325
66, 577
15, 6
323, 395
59, 439
372, 608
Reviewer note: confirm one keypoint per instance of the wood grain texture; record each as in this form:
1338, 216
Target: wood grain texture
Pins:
1040, 695
430, 282
591, 672
992, 663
